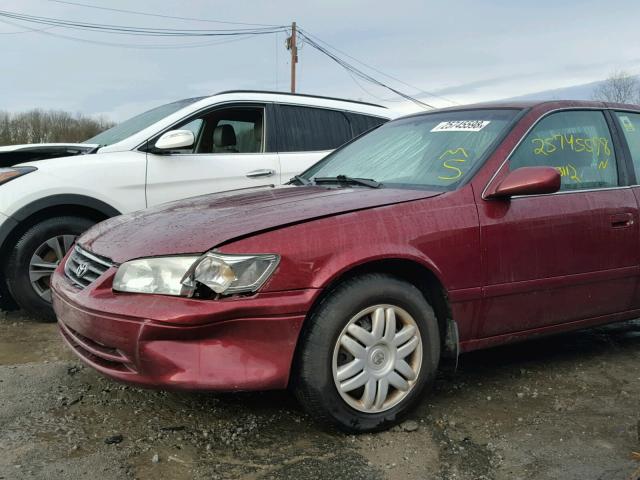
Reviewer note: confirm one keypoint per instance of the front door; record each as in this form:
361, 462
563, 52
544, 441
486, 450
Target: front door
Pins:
229, 153
568, 256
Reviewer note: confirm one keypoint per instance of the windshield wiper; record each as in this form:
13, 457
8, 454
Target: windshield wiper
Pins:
300, 179
366, 182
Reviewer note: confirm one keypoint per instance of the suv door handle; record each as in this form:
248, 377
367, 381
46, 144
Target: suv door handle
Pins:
261, 173
621, 220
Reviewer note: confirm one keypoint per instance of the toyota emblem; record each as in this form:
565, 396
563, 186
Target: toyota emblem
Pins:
81, 270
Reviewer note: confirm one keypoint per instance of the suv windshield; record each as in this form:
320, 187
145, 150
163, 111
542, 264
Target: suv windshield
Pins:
435, 150
139, 122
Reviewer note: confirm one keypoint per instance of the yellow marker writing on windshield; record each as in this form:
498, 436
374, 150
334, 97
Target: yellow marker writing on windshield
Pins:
455, 152
457, 173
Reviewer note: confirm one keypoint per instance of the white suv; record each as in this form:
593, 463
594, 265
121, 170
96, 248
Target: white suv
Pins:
49, 194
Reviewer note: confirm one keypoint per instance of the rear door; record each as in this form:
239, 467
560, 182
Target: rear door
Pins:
307, 134
566, 256
628, 123
232, 150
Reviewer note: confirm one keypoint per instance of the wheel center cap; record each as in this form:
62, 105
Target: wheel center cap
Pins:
379, 357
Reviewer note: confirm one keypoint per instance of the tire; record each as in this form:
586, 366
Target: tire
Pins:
35, 298
321, 354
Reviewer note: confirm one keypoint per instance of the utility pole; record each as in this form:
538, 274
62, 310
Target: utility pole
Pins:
292, 46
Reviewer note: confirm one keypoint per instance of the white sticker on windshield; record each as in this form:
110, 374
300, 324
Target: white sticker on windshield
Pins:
461, 126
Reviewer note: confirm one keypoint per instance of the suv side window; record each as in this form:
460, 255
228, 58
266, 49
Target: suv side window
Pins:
630, 123
227, 130
363, 123
577, 143
308, 129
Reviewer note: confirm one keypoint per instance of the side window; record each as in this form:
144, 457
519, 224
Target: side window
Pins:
630, 123
363, 123
228, 130
306, 129
577, 143
195, 126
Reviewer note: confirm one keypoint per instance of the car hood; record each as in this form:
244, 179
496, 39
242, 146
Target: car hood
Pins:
198, 224
11, 155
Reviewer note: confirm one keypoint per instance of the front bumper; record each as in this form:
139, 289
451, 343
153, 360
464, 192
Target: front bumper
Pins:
179, 343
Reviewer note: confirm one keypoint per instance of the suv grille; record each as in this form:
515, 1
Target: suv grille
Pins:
83, 268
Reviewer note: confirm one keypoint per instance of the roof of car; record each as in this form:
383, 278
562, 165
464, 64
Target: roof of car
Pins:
302, 95
522, 104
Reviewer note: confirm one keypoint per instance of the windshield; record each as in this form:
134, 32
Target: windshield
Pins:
139, 122
435, 150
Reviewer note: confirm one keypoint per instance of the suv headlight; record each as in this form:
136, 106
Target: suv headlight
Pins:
180, 276
7, 174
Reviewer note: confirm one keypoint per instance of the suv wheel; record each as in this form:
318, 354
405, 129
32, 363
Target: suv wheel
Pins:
371, 348
34, 258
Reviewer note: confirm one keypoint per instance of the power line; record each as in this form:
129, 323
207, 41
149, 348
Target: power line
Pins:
136, 12
355, 80
431, 94
365, 76
144, 31
128, 45
27, 30
242, 33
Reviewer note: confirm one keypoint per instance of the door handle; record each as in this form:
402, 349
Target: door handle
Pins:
266, 172
621, 220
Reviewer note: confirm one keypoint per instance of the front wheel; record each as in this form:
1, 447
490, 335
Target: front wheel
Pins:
367, 354
35, 256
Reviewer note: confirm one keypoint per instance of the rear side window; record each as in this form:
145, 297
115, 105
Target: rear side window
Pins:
630, 123
363, 123
305, 129
577, 143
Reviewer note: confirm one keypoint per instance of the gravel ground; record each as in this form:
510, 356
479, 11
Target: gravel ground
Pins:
558, 408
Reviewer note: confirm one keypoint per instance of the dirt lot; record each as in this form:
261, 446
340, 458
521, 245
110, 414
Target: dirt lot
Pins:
560, 408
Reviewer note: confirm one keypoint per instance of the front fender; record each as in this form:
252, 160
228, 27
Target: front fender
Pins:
354, 257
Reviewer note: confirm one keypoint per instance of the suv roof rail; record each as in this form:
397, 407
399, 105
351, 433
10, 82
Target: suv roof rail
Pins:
301, 95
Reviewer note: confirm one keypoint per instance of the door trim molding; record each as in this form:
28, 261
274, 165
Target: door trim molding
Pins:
538, 284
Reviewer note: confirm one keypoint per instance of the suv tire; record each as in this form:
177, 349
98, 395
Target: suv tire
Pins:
33, 258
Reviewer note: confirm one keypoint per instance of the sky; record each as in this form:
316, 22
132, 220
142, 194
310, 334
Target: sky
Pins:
461, 51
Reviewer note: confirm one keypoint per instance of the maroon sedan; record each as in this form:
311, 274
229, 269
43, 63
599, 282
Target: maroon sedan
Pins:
432, 235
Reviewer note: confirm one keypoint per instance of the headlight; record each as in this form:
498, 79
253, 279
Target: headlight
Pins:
231, 273
161, 275
181, 275
7, 174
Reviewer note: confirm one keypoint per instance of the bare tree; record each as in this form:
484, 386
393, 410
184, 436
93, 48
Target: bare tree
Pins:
40, 126
620, 87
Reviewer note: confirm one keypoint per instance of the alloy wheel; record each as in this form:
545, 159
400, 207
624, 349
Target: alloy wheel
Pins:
45, 260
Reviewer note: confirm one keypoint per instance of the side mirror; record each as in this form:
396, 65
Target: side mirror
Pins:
174, 139
527, 181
